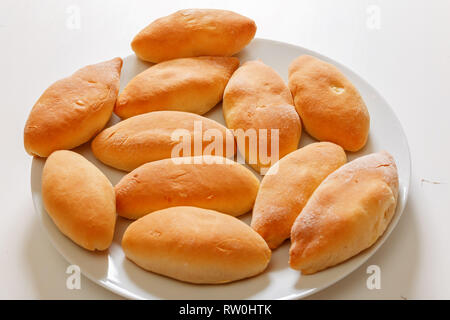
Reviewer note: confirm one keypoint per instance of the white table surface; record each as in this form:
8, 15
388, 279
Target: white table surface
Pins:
405, 55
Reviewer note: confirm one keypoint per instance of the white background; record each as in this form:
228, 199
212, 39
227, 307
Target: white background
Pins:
405, 55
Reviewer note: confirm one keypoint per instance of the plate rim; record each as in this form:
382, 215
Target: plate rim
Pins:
110, 286
393, 224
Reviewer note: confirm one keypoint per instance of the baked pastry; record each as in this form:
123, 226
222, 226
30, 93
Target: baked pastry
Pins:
79, 199
346, 214
283, 194
196, 245
257, 99
329, 105
209, 182
192, 33
72, 110
153, 136
190, 84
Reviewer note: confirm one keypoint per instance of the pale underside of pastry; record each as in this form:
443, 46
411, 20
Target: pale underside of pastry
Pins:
189, 84
192, 33
346, 214
79, 199
196, 245
329, 105
72, 110
154, 136
209, 182
283, 194
256, 100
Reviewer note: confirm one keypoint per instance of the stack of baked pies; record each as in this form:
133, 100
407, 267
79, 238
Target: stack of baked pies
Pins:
186, 207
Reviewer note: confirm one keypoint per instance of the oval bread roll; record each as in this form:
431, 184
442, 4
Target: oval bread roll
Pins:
329, 105
148, 137
282, 195
191, 84
346, 214
209, 182
79, 199
196, 245
192, 33
255, 98
72, 110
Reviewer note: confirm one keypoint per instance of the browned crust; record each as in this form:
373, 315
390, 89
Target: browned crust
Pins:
147, 137
329, 105
79, 199
190, 84
72, 110
282, 195
209, 182
256, 97
194, 32
346, 214
196, 245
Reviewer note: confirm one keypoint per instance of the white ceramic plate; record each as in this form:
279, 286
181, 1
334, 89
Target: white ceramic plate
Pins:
113, 271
